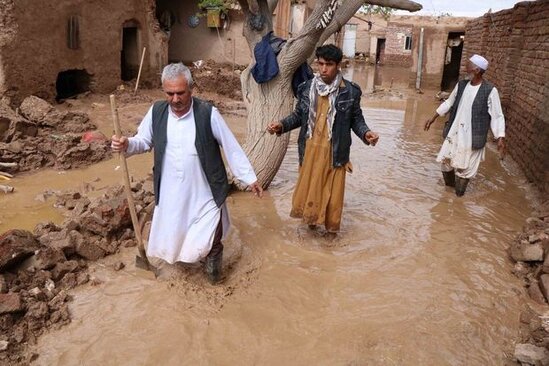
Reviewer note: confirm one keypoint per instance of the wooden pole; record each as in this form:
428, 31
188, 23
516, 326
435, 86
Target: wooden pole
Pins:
140, 68
131, 204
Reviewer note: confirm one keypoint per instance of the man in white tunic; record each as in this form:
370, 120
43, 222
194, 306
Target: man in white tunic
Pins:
190, 181
474, 107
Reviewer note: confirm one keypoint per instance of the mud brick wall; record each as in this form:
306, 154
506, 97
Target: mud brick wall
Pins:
34, 47
395, 54
516, 43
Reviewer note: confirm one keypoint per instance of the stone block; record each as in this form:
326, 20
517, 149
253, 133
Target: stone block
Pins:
544, 285
16, 246
35, 109
10, 303
527, 252
531, 355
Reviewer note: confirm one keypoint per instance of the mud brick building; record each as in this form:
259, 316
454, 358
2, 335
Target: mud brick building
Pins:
56, 49
516, 43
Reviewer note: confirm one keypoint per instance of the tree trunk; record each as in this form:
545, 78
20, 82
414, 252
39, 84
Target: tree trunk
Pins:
266, 102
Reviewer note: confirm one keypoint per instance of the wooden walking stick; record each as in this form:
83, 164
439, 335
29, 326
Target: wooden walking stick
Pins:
140, 68
141, 261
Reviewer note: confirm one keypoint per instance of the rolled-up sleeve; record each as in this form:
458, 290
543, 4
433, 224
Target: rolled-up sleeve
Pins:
497, 123
236, 158
142, 141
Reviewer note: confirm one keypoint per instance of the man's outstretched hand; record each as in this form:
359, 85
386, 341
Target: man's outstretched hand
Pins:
371, 137
274, 127
256, 189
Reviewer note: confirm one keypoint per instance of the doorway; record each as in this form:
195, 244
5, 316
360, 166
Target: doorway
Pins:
380, 51
71, 83
452, 61
129, 55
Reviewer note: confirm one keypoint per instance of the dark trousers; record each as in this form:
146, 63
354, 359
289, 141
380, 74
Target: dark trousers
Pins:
217, 246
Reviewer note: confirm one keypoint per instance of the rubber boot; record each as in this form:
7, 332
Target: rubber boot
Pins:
461, 186
213, 266
449, 178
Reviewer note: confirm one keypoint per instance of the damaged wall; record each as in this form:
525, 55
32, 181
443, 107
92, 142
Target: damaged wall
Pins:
516, 43
37, 47
188, 44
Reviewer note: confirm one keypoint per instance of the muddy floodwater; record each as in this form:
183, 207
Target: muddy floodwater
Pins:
416, 277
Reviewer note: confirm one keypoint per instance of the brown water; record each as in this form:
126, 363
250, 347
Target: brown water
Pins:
416, 277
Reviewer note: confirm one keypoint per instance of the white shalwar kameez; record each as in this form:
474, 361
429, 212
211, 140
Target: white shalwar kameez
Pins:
186, 217
456, 152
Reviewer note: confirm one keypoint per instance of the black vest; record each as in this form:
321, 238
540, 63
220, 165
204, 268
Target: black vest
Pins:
480, 118
207, 147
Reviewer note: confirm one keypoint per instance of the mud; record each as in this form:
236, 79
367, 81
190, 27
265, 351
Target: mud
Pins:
222, 79
37, 269
417, 276
39, 135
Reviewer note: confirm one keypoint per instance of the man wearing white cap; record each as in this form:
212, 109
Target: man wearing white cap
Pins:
474, 107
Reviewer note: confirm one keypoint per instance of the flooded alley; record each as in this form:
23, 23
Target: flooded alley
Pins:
417, 276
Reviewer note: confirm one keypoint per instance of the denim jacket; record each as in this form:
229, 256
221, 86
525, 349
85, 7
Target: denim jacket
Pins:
348, 117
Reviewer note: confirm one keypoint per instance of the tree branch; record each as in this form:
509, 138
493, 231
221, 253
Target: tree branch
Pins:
396, 4
301, 47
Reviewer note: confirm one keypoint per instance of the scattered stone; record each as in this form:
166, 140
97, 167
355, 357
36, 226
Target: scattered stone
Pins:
136, 186
16, 246
4, 345
531, 355
59, 300
35, 109
520, 269
535, 292
118, 266
49, 285
37, 294
537, 237
59, 240
44, 228
94, 281
10, 303
47, 258
63, 268
527, 252
89, 250
533, 223
37, 310
82, 278
544, 285
69, 280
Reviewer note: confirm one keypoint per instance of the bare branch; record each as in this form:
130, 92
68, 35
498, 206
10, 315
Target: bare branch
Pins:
341, 17
396, 4
299, 48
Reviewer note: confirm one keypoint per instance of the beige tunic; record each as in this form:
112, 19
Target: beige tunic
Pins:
318, 195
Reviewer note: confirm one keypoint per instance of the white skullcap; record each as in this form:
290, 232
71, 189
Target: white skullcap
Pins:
479, 61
